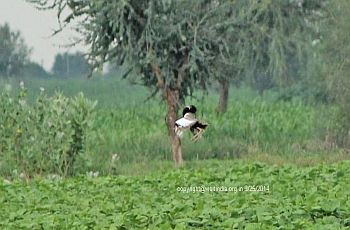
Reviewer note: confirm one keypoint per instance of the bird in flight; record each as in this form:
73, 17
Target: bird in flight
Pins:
188, 121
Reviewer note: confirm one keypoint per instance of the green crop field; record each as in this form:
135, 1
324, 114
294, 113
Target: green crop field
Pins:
211, 195
269, 156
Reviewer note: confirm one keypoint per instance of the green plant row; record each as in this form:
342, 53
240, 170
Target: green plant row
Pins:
219, 195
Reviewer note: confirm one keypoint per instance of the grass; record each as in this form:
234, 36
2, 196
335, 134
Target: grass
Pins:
109, 91
247, 127
133, 131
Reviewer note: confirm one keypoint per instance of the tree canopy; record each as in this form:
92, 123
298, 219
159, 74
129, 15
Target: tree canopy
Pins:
333, 57
277, 36
164, 43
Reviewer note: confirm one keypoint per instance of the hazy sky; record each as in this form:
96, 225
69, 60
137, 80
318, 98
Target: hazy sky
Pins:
36, 28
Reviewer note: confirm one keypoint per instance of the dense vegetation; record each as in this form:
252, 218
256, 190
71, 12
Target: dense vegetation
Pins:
128, 130
257, 196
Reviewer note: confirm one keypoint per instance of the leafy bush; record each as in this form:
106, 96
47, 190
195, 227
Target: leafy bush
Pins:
43, 137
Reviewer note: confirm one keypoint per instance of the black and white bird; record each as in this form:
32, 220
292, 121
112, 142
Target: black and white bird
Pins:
189, 122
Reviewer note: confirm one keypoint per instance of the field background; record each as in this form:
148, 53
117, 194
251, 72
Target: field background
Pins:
95, 153
132, 131
125, 176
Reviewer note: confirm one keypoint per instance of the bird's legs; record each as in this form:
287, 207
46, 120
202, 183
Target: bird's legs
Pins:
198, 135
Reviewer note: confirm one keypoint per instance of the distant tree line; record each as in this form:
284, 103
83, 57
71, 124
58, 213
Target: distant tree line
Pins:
15, 59
68, 65
14, 53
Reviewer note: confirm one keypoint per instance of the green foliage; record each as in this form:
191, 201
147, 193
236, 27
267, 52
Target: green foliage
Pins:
335, 56
45, 137
138, 134
165, 44
14, 53
265, 39
130, 130
290, 198
276, 36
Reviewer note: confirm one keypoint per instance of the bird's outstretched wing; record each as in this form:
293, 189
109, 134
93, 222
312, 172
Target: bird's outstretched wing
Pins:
198, 126
185, 123
197, 130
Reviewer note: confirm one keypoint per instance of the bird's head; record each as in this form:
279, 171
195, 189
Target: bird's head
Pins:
189, 109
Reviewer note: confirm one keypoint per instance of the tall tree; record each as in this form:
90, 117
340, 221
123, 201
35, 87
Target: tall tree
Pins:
228, 68
335, 56
269, 43
283, 30
14, 53
170, 44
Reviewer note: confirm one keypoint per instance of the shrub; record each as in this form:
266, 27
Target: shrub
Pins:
43, 137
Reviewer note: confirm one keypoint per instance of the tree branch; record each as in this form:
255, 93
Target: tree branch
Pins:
157, 72
181, 72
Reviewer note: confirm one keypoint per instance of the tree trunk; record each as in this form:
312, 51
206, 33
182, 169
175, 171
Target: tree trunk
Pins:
172, 97
223, 100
